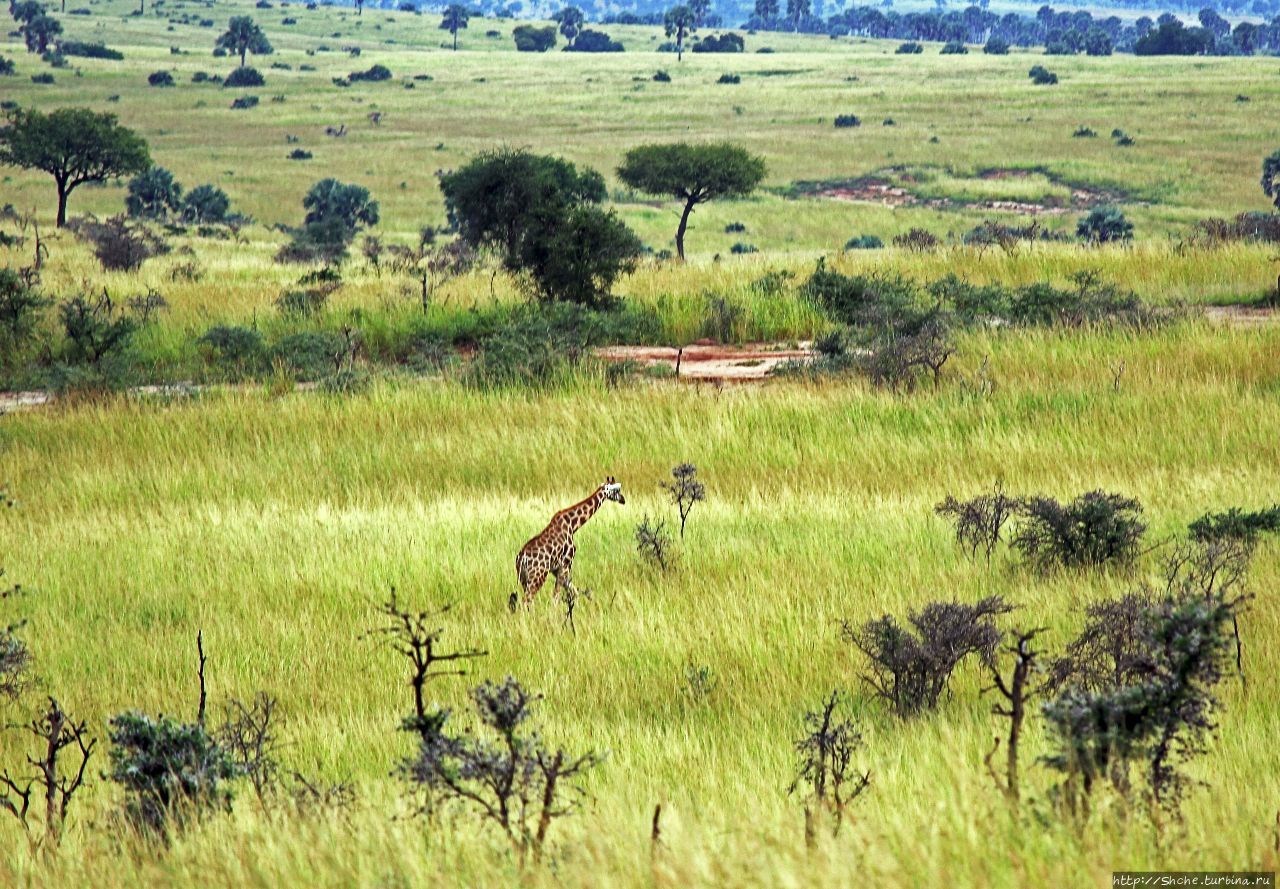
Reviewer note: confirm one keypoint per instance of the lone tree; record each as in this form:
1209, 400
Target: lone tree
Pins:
571, 20
679, 22
244, 36
1271, 178
40, 31
455, 18
74, 146
692, 173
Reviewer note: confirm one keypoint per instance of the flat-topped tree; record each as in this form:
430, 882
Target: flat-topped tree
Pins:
679, 22
692, 173
454, 19
74, 146
243, 36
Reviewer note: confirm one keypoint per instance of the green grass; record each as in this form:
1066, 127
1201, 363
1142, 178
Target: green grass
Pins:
275, 523
274, 520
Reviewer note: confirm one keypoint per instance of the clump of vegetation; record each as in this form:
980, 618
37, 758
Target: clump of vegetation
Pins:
242, 103
729, 78
244, 77
1095, 529
336, 213
153, 195
119, 244
299, 154
1104, 225
240, 350
1083, 132
530, 38
21, 305
542, 215
911, 668
954, 48
996, 46
1235, 525
845, 121
909, 48
662, 77
917, 240
864, 242
170, 771
374, 74
1042, 76
160, 78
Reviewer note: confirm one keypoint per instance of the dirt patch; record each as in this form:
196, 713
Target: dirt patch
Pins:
711, 363
892, 187
1242, 316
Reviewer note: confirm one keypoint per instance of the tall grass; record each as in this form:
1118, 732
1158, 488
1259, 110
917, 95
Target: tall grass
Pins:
274, 523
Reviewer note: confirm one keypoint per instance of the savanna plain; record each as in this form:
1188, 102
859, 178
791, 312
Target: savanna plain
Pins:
409, 421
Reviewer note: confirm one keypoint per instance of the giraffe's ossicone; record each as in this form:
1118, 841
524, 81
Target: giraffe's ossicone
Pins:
551, 552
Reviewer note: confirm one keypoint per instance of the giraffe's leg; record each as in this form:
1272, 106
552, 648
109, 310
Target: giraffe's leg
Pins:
535, 576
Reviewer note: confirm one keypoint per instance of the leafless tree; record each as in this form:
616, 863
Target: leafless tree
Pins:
825, 770
51, 781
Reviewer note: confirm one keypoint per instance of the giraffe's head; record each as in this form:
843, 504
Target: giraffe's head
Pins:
612, 490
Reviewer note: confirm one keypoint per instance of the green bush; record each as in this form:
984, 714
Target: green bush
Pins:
1042, 76
996, 46
1104, 225
238, 349
954, 48
863, 242
374, 74
160, 78
844, 121
909, 48
1091, 531
529, 38
170, 771
20, 309
246, 76
89, 50
310, 355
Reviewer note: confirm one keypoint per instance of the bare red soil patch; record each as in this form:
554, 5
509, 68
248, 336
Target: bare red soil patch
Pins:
709, 363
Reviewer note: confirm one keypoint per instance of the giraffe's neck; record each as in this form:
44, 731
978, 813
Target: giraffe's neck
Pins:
576, 516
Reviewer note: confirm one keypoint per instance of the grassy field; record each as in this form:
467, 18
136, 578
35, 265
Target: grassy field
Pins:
1197, 153
275, 520
274, 524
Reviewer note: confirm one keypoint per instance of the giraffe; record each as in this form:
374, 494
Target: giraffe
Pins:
553, 549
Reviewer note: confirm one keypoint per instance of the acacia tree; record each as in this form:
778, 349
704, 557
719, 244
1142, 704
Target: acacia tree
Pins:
692, 173
74, 146
243, 36
571, 20
454, 19
680, 21
1271, 178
